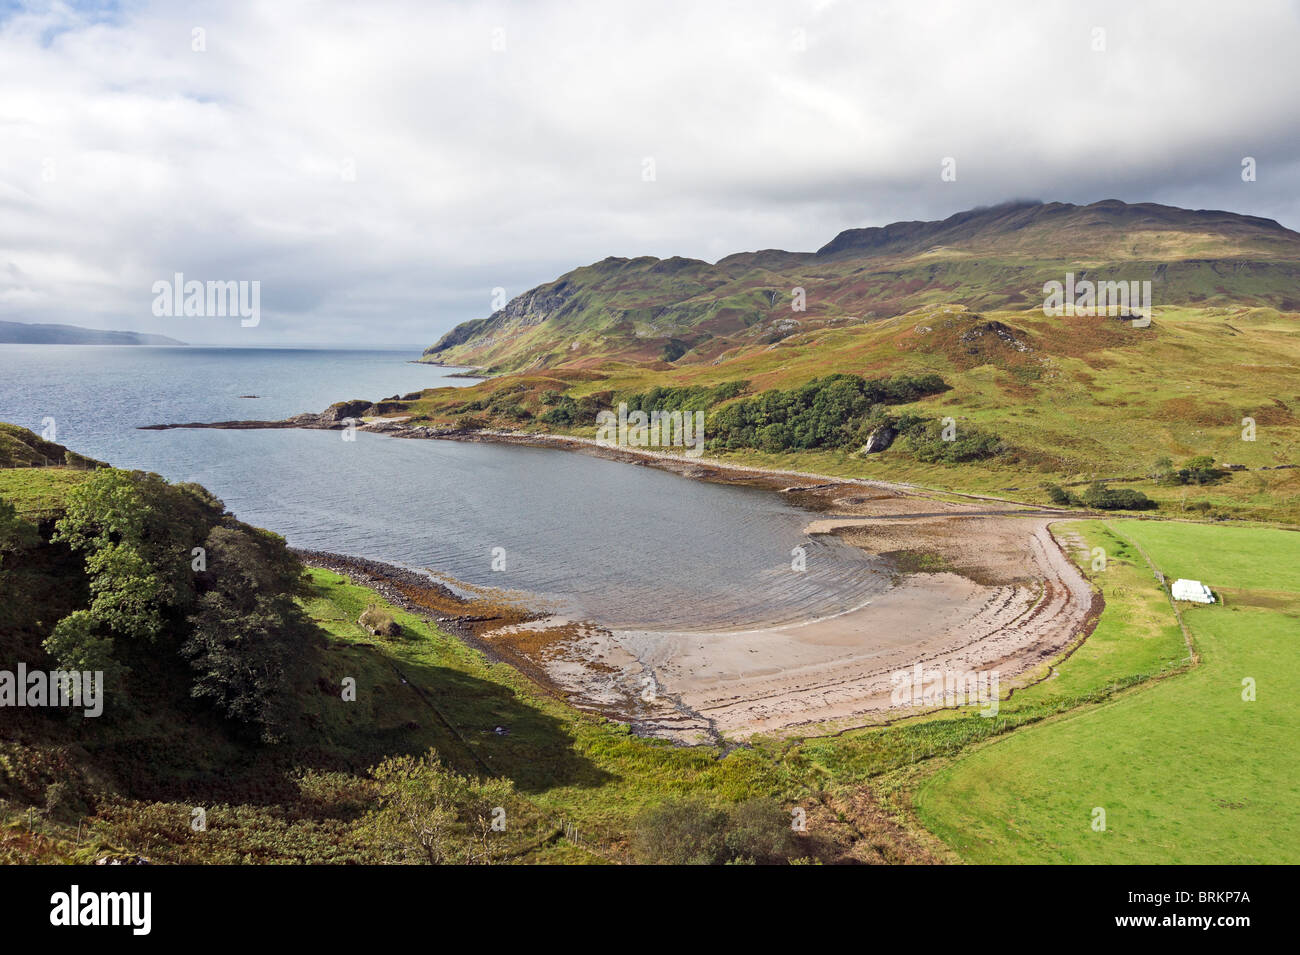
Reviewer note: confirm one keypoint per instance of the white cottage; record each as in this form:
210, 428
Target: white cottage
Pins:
1192, 590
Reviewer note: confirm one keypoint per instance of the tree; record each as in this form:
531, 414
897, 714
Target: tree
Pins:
432, 814
108, 521
682, 832
79, 643
248, 632
1198, 470
127, 595
136, 533
1059, 495
15, 533
1163, 467
233, 616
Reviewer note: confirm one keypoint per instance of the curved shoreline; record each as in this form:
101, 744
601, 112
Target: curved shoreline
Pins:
996, 592
699, 468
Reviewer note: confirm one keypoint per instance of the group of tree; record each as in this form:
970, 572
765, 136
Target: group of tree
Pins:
824, 413
566, 412
1199, 470
936, 442
1100, 496
834, 412
506, 403
177, 586
685, 399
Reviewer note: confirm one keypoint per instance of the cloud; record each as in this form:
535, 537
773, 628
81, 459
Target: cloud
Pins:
381, 168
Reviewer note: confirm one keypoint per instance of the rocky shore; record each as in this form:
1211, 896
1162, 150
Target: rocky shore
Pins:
338, 416
377, 417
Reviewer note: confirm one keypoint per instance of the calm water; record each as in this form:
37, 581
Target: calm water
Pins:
624, 545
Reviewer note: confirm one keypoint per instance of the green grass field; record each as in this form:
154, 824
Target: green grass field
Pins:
38, 492
1185, 769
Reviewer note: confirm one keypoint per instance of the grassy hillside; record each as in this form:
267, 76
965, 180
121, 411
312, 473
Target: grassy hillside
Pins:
20, 448
357, 714
1065, 401
575, 787
1069, 400
1186, 770
685, 311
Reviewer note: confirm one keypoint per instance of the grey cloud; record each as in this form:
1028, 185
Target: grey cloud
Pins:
381, 169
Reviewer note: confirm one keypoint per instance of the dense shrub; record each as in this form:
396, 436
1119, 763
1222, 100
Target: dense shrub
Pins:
1101, 497
825, 413
570, 413
1104, 498
691, 832
1059, 495
684, 399
1199, 470
563, 415
969, 443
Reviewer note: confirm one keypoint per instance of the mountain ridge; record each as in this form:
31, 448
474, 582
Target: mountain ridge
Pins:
683, 310
1016, 214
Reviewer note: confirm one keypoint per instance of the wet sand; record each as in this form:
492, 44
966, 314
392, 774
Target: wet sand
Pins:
1003, 596
979, 584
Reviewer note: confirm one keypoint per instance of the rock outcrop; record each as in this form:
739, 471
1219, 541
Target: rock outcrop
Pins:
879, 440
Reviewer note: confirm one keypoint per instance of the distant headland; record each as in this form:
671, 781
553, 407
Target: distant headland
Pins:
24, 333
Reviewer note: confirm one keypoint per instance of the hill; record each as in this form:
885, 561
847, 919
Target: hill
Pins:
686, 311
24, 333
252, 713
20, 448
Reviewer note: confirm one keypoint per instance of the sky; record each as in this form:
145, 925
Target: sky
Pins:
383, 168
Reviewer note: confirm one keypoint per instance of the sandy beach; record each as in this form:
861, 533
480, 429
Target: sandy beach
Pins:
1007, 599
978, 585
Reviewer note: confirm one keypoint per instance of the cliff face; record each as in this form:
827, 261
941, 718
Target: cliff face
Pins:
522, 312
686, 311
